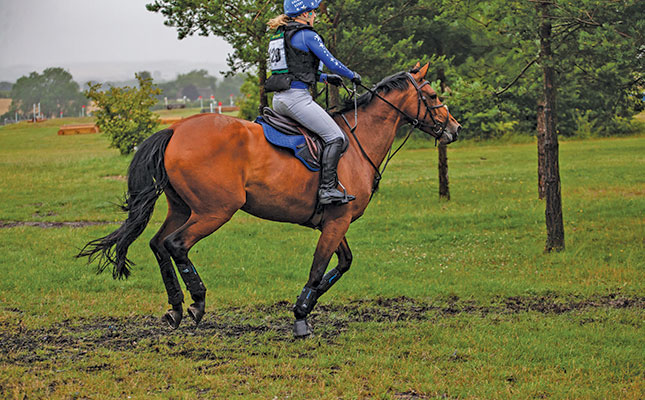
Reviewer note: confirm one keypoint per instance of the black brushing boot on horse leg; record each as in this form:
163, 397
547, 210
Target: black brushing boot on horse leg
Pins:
305, 303
196, 288
190, 277
327, 192
175, 295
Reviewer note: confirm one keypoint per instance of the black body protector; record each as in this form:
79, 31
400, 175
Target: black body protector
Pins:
288, 63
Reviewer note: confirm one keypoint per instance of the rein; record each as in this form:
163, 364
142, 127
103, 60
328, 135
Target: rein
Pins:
414, 122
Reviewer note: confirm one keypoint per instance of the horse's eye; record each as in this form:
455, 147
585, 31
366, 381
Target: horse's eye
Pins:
433, 96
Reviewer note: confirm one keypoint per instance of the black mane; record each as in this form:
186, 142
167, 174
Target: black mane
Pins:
398, 81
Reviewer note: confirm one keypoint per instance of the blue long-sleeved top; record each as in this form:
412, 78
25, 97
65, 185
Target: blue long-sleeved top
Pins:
308, 40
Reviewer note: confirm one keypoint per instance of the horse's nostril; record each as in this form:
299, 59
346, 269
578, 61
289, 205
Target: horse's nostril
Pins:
458, 130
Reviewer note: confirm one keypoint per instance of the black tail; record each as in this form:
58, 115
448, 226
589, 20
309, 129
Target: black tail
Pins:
147, 179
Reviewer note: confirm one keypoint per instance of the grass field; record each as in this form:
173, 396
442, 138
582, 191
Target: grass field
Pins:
445, 299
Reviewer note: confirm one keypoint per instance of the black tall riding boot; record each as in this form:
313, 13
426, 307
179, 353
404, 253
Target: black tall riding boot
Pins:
327, 192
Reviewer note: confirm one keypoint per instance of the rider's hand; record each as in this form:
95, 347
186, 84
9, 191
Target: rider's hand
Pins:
334, 79
356, 79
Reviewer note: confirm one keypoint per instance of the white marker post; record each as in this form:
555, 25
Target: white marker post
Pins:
34, 109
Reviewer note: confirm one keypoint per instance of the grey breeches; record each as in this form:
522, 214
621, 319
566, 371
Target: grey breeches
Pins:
298, 104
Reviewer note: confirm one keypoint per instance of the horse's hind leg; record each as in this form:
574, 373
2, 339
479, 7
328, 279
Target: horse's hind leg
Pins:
179, 244
178, 213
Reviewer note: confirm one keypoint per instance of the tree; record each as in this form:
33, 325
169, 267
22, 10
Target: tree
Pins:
190, 92
444, 188
124, 113
553, 211
54, 89
598, 47
241, 24
198, 78
373, 37
191, 84
230, 86
590, 41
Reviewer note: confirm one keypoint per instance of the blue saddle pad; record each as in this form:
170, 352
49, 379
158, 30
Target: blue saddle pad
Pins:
295, 143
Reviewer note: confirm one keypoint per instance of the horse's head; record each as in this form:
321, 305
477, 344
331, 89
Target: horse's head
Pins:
432, 117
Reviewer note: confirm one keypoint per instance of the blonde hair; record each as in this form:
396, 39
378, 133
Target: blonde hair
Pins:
278, 21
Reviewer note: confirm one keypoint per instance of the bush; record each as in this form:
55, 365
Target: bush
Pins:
124, 113
249, 101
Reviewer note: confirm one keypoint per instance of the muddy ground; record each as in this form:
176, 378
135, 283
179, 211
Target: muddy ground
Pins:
76, 337
42, 224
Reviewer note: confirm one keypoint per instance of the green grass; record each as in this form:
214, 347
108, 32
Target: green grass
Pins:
476, 252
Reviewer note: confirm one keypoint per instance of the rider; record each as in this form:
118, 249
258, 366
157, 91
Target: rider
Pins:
296, 56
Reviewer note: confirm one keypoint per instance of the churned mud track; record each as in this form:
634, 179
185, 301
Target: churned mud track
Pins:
41, 224
75, 338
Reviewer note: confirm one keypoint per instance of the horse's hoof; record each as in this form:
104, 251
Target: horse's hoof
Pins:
173, 318
196, 311
302, 329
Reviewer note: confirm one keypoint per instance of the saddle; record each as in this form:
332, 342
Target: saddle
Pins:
285, 132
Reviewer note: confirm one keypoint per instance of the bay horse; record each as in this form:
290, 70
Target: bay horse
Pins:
211, 165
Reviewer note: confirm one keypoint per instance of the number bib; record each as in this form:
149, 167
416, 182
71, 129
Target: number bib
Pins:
277, 54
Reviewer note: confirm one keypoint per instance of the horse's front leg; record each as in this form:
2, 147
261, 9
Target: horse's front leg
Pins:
333, 233
344, 262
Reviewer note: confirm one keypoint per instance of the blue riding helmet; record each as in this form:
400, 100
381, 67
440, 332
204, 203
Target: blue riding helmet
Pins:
293, 8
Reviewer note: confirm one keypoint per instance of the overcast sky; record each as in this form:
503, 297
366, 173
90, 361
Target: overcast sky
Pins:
98, 37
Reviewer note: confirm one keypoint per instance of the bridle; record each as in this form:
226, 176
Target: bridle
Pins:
434, 129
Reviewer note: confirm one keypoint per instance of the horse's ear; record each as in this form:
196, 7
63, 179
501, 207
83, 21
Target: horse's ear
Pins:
423, 71
417, 66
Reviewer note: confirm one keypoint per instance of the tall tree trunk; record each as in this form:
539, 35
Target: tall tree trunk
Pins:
262, 75
541, 131
444, 191
553, 212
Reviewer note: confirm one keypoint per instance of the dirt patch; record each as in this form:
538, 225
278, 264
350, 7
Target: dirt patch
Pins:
76, 337
40, 224
116, 178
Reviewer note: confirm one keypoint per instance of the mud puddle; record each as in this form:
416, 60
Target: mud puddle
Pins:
75, 338
41, 224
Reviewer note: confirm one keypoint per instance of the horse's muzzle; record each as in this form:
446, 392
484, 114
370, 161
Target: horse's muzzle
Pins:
449, 137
